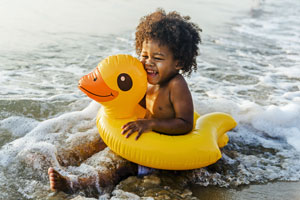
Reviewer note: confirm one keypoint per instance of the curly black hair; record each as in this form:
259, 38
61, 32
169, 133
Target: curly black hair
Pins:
173, 30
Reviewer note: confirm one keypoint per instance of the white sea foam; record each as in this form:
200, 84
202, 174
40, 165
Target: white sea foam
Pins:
18, 126
280, 122
275, 121
52, 131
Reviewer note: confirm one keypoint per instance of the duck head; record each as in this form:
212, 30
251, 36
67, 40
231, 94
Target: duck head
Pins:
119, 83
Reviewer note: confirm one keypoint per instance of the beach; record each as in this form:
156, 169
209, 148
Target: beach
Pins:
248, 67
277, 190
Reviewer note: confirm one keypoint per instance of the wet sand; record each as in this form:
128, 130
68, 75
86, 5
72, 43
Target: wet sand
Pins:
274, 191
132, 188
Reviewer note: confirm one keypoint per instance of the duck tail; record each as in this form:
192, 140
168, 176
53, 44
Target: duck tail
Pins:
222, 123
226, 124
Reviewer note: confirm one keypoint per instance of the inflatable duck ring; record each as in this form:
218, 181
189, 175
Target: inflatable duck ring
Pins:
119, 83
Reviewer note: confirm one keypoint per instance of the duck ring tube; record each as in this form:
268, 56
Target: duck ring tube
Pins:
119, 83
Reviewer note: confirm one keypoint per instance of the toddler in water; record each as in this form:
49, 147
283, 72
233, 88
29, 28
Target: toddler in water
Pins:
167, 45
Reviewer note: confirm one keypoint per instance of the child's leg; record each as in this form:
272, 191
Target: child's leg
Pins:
59, 182
77, 149
109, 168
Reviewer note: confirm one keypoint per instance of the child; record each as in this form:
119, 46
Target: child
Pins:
167, 45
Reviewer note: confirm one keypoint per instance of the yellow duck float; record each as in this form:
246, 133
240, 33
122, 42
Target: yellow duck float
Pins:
119, 83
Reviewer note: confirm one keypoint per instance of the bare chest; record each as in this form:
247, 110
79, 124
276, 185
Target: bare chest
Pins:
158, 103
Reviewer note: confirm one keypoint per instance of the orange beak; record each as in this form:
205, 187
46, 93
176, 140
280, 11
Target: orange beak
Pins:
94, 87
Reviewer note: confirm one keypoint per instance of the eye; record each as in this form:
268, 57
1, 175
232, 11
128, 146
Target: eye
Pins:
124, 82
95, 78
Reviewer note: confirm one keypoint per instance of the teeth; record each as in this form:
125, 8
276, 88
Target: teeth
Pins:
150, 71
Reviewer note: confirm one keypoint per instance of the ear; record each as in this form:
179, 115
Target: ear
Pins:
178, 67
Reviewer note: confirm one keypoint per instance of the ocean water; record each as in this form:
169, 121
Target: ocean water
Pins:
249, 67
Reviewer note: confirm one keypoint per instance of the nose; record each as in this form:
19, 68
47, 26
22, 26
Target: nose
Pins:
148, 62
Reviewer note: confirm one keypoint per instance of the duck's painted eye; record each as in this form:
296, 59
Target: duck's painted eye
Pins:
124, 82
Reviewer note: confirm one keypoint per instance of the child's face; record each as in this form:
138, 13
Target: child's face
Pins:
158, 62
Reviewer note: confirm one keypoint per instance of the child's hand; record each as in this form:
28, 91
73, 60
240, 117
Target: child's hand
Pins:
140, 126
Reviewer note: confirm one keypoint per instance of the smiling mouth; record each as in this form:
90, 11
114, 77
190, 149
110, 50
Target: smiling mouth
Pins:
151, 72
96, 94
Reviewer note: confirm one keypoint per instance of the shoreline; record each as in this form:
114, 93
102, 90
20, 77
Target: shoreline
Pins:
271, 191
276, 190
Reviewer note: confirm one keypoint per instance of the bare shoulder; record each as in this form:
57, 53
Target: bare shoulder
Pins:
179, 89
178, 82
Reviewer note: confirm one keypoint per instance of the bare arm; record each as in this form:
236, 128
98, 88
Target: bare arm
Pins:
182, 102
